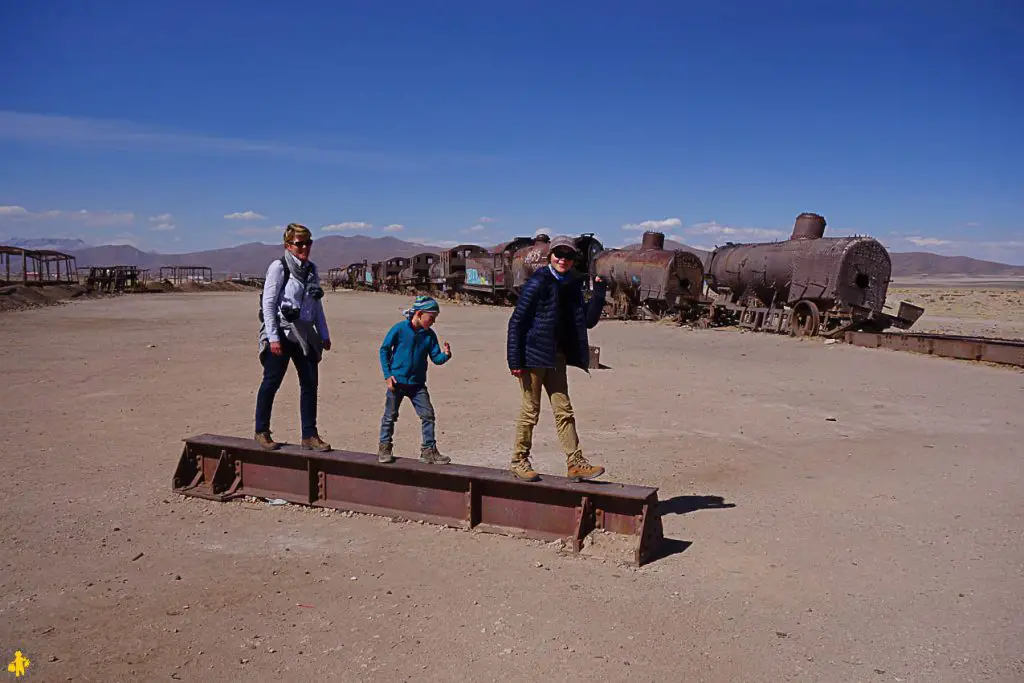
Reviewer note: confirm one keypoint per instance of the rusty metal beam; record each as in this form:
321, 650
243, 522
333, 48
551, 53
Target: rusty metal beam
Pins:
1004, 351
222, 468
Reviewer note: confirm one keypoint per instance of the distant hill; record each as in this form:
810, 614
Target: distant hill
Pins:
45, 243
923, 263
254, 257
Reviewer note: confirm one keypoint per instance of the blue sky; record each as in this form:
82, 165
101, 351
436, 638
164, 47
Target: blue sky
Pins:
180, 126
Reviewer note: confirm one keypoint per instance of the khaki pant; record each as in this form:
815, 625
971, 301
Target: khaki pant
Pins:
556, 384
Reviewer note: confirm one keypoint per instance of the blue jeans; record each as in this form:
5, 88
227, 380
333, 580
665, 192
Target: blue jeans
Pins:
420, 402
274, 369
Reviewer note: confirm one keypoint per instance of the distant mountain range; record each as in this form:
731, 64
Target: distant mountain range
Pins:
340, 250
253, 258
45, 243
923, 263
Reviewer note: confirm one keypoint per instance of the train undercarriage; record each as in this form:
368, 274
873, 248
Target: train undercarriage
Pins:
804, 318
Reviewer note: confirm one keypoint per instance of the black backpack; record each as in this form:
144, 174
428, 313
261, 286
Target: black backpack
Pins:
287, 274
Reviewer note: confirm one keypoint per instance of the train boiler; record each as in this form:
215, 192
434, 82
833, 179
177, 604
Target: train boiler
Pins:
806, 285
651, 281
529, 258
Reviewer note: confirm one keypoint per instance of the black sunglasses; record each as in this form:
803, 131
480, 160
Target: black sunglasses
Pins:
300, 244
564, 254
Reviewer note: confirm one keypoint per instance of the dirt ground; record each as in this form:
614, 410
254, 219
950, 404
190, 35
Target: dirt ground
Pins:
967, 306
838, 513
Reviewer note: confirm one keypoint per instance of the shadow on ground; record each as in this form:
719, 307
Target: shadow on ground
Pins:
682, 505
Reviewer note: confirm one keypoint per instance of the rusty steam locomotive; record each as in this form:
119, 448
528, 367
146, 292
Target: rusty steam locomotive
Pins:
806, 285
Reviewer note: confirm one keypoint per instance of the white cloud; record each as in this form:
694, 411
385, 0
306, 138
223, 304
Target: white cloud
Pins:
474, 228
654, 225
714, 228
928, 241
486, 219
347, 225
973, 224
162, 223
244, 216
394, 227
13, 211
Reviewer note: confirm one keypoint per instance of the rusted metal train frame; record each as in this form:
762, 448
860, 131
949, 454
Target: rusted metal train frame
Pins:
35, 267
1002, 351
182, 274
222, 468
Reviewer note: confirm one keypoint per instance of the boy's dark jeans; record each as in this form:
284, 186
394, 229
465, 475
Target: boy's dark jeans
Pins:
274, 369
420, 402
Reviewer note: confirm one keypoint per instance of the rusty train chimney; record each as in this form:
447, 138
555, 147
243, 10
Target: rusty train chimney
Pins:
808, 226
653, 240
542, 238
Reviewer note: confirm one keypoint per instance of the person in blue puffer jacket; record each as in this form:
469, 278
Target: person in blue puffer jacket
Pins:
403, 359
546, 333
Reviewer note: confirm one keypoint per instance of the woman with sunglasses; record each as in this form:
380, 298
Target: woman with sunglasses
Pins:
294, 329
546, 333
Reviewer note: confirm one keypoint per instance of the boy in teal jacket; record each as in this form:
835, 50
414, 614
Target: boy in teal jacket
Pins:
403, 359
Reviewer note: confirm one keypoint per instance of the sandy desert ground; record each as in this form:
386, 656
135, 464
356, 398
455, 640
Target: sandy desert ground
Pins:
969, 306
839, 513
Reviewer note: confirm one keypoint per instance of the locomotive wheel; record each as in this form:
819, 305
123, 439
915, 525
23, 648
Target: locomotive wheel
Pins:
804, 320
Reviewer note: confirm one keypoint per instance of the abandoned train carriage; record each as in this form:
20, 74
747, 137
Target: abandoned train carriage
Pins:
391, 274
490, 275
805, 285
421, 272
357, 274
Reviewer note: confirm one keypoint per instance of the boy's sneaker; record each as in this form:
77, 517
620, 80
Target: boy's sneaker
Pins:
265, 442
384, 453
522, 469
579, 469
315, 443
432, 456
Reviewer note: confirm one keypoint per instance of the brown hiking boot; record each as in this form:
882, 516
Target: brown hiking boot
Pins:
384, 453
522, 469
315, 443
265, 442
579, 469
432, 456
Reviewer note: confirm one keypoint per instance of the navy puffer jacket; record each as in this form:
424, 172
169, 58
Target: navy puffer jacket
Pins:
533, 326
